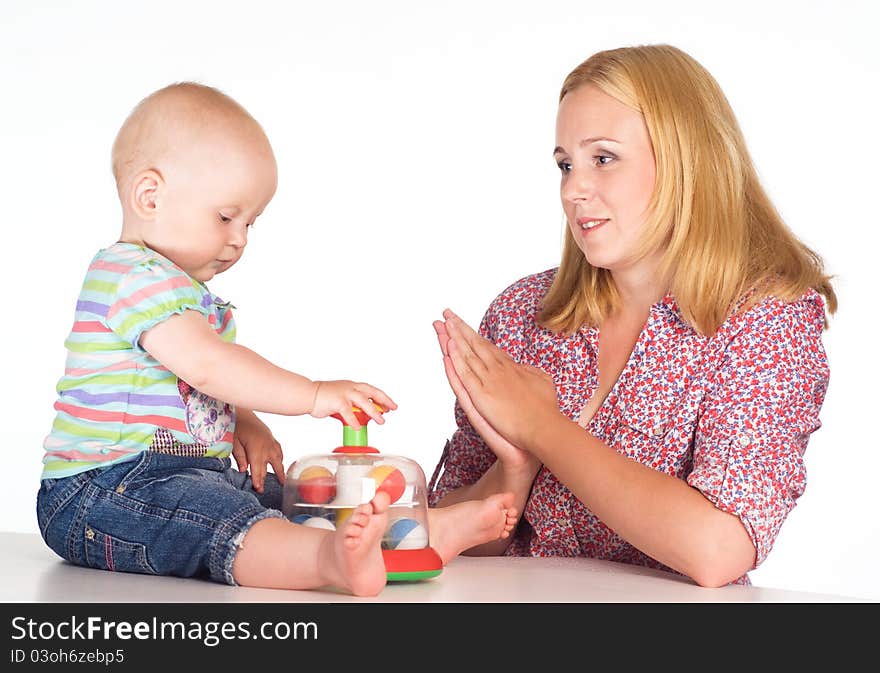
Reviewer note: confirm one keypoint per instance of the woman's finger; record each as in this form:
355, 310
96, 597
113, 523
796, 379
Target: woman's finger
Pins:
485, 350
461, 393
470, 369
466, 354
442, 335
475, 418
453, 378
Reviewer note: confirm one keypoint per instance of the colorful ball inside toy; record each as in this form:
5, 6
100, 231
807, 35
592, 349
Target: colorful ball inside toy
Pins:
316, 485
317, 522
405, 533
389, 479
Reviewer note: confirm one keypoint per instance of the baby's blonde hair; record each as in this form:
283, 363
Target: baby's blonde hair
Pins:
156, 124
720, 235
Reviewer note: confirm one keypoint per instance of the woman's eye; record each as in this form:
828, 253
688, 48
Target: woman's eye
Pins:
564, 166
603, 159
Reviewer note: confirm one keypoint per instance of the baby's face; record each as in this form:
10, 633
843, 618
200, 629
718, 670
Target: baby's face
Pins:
212, 195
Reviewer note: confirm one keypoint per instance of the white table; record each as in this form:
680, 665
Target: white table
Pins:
31, 572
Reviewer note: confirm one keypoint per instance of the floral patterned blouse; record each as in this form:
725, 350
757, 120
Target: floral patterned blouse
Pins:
730, 414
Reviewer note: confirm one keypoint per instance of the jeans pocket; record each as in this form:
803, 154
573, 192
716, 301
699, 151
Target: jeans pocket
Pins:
107, 552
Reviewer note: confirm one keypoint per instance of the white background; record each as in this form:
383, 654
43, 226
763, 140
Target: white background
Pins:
414, 150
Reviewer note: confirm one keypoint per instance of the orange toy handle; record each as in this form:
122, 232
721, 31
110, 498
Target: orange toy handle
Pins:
352, 437
361, 415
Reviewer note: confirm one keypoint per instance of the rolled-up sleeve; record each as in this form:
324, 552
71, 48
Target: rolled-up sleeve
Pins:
757, 417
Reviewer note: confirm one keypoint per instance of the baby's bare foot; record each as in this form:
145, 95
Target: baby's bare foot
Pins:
357, 553
467, 524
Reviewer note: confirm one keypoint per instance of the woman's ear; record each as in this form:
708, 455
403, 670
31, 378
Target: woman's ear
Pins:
146, 192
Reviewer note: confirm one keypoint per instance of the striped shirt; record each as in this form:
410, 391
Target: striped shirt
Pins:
115, 400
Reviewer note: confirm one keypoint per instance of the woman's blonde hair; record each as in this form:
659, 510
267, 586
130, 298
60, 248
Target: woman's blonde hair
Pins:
721, 236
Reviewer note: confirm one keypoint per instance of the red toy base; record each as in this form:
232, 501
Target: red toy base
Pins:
407, 565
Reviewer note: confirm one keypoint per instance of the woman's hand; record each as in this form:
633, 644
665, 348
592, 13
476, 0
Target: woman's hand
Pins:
511, 399
510, 456
254, 446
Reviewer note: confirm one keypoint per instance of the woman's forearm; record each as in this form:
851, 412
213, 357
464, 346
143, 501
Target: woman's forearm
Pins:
655, 512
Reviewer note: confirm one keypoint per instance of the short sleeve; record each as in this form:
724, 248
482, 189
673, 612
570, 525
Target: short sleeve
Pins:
150, 293
757, 418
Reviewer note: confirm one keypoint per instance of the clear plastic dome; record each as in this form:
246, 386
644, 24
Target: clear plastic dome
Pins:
322, 490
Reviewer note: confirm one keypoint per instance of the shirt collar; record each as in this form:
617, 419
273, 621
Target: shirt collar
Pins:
666, 306
668, 303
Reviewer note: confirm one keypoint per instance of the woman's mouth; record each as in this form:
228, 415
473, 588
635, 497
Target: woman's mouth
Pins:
590, 223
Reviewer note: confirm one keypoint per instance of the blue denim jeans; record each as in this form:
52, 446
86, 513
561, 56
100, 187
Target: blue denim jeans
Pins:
157, 514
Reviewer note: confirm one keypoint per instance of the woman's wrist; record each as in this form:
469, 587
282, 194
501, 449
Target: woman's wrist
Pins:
518, 477
546, 432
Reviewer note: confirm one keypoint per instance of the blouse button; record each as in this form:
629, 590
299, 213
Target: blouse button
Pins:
657, 431
744, 439
90, 534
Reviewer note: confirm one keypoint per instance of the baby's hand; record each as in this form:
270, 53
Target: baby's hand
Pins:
254, 446
338, 397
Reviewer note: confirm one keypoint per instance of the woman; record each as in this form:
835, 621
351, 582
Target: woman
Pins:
650, 400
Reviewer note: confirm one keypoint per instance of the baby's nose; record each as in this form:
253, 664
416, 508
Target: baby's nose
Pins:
238, 237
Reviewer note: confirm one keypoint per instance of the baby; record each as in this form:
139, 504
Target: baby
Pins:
157, 395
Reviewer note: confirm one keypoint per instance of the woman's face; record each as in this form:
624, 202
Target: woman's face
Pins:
604, 153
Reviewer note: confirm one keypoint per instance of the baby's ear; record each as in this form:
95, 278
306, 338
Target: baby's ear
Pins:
145, 193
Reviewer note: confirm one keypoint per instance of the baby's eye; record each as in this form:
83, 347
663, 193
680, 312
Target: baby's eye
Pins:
224, 219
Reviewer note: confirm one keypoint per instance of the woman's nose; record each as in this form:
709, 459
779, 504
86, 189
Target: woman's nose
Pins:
578, 186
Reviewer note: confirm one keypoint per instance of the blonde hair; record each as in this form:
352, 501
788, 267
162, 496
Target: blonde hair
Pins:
721, 238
